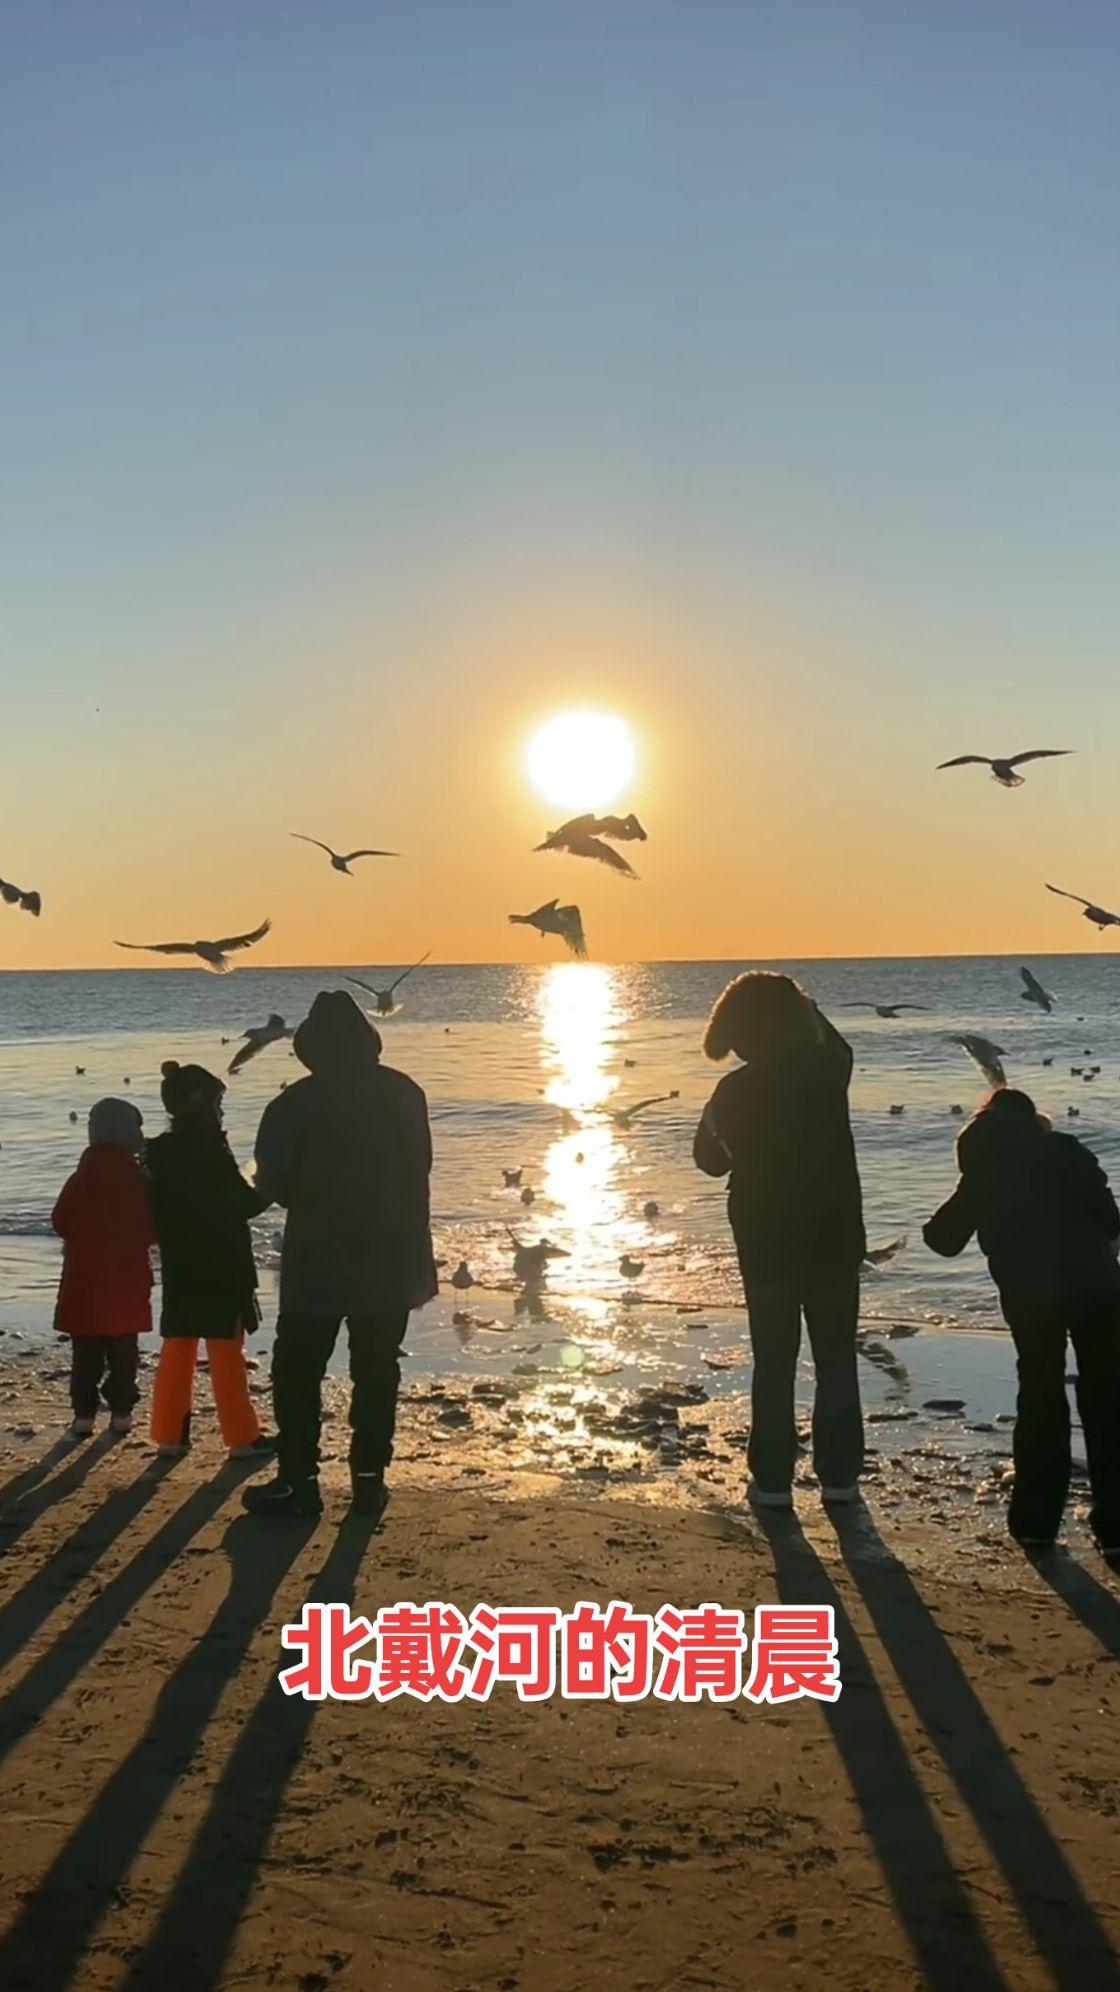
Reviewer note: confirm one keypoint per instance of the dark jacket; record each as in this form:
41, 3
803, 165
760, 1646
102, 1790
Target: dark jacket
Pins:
348, 1151
104, 1219
780, 1128
202, 1207
1045, 1218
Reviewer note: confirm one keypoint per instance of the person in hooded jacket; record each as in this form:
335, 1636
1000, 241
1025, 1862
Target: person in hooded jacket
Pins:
104, 1219
1048, 1225
202, 1206
348, 1152
778, 1126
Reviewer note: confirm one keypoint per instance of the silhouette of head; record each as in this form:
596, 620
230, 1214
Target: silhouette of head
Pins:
115, 1123
1007, 1119
336, 1036
191, 1093
761, 1015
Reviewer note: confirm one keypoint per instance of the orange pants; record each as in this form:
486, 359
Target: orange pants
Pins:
173, 1393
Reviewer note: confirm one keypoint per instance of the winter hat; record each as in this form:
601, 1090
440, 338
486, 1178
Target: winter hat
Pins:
336, 1035
183, 1083
117, 1122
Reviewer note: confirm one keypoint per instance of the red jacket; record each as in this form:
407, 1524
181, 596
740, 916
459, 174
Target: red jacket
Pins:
105, 1221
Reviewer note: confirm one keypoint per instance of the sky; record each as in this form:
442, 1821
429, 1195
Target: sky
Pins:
380, 380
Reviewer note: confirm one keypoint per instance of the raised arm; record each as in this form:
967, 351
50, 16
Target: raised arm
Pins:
951, 1227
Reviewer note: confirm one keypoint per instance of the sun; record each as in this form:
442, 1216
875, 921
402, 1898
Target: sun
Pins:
581, 760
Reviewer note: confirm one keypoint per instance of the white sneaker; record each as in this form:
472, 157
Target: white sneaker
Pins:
172, 1451
82, 1428
121, 1421
765, 1497
841, 1495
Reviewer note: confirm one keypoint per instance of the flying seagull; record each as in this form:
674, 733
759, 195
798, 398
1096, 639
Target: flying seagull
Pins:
339, 862
881, 1255
984, 1053
256, 1038
386, 1005
13, 895
1097, 914
884, 1009
530, 1262
552, 918
624, 1116
212, 954
1033, 991
583, 837
1003, 771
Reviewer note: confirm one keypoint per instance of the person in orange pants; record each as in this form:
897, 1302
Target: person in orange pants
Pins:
202, 1206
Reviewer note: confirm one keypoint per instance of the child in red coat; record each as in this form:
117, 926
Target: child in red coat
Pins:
104, 1219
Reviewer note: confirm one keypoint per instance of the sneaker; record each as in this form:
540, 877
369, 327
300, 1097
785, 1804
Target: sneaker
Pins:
263, 1447
173, 1451
281, 1498
121, 1422
769, 1497
1034, 1542
839, 1495
369, 1495
82, 1428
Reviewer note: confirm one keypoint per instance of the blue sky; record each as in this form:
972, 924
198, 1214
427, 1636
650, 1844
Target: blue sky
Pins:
379, 379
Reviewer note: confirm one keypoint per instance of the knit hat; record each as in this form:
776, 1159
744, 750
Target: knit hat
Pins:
183, 1083
117, 1122
336, 1036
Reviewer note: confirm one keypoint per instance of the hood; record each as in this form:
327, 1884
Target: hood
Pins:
336, 1037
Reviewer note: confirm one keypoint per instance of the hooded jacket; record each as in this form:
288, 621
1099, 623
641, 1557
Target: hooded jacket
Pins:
348, 1152
104, 1219
202, 1206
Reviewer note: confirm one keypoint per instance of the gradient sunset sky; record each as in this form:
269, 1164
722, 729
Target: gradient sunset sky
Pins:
382, 379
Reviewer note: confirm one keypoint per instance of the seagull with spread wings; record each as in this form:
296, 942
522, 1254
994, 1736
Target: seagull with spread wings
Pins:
339, 861
625, 1116
212, 954
257, 1037
1003, 771
1033, 991
583, 837
884, 1009
552, 918
387, 1006
988, 1056
14, 895
1097, 914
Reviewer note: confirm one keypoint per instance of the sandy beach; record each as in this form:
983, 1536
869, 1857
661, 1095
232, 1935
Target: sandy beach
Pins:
173, 1819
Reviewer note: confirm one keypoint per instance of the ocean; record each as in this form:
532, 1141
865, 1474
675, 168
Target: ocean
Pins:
524, 1068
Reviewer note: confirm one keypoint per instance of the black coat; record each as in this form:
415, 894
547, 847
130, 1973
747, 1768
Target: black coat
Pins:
780, 1128
202, 1206
1045, 1218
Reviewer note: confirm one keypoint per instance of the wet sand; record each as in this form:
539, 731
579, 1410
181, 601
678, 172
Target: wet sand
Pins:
173, 1819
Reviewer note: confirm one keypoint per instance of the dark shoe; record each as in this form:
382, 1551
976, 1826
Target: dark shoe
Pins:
369, 1494
261, 1448
280, 1497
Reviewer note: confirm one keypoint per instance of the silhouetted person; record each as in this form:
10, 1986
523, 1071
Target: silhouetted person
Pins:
1047, 1224
348, 1152
779, 1127
104, 1219
202, 1206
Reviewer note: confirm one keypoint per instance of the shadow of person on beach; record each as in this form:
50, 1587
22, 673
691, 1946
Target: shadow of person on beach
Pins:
48, 1941
933, 1904
50, 1582
1088, 1599
31, 1493
201, 1916
1055, 1910
30, 1476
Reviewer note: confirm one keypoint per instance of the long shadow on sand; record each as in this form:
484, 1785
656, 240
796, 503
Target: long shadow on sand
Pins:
199, 1923
929, 1895
48, 1941
30, 1493
1061, 1920
23, 1614
1088, 1599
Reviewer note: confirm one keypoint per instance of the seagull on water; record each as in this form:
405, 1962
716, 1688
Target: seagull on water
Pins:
984, 1053
1033, 991
583, 837
884, 1009
530, 1262
1003, 770
512, 1178
631, 1269
340, 862
14, 895
386, 1003
552, 918
257, 1037
212, 954
1097, 914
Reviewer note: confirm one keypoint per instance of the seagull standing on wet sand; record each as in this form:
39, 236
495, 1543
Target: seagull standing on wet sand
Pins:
1003, 771
212, 954
257, 1037
339, 862
386, 1004
552, 918
1097, 914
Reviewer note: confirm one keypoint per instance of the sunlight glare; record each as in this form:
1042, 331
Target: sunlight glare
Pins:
581, 760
